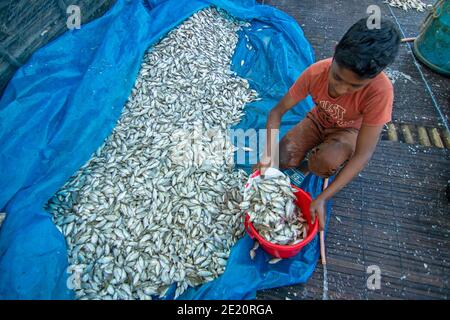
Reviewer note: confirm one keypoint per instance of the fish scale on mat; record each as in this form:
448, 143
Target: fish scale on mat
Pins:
407, 4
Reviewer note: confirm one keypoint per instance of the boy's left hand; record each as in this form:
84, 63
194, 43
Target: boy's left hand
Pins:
317, 209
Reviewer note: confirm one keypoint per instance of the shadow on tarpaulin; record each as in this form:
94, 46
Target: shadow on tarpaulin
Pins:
65, 101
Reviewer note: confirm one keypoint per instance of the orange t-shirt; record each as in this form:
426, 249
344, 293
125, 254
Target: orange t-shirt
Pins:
371, 105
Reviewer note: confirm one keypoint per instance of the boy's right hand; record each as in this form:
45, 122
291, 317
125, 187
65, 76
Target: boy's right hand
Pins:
262, 165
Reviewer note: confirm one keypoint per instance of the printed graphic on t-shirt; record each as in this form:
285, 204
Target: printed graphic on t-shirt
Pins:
332, 114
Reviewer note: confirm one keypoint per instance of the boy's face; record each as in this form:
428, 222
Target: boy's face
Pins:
342, 81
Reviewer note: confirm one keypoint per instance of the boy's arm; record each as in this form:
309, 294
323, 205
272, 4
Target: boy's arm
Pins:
297, 92
365, 146
272, 127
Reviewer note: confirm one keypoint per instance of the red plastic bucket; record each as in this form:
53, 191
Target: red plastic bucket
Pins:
303, 202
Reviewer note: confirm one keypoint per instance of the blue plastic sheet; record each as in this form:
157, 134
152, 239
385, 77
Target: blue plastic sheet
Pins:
61, 106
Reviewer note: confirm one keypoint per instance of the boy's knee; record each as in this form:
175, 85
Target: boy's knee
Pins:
283, 155
288, 155
322, 166
326, 159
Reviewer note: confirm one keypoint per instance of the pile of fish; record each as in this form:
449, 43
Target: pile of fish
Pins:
157, 205
407, 4
269, 202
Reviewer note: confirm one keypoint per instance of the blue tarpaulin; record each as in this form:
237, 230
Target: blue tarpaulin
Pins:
65, 101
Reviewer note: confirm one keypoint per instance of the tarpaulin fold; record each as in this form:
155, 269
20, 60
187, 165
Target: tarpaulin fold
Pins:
65, 101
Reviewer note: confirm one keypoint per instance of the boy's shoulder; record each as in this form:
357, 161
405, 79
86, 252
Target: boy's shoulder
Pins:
381, 83
320, 66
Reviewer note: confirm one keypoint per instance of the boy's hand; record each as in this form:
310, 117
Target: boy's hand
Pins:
262, 165
259, 166
317, 209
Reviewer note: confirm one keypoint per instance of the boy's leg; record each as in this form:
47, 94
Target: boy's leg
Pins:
327, 158
297, 142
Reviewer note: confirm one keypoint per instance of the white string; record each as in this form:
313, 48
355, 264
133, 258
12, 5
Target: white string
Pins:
436, 105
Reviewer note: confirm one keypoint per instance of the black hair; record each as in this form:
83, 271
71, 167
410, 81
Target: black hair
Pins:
366, 51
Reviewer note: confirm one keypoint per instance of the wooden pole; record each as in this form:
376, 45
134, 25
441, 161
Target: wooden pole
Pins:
322, 234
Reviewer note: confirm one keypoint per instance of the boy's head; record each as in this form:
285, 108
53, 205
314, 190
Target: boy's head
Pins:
362, 54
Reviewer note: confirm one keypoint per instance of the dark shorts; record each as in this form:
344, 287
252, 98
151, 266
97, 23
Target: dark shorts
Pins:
329, 148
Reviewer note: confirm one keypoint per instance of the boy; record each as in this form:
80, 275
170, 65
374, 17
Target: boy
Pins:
353, 101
